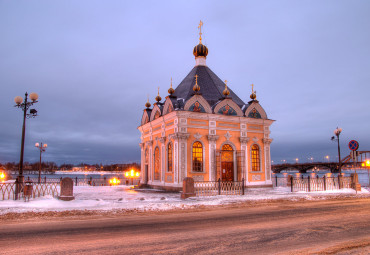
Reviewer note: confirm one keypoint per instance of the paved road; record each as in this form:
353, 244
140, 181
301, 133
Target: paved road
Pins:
269, 228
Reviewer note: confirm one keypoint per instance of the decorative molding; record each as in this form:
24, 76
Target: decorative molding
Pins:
227, 135
232, 104
197, 135
267, 141
149, 143
162, 139
198, 122
142, 145
212, 138
201, 101
181, 136
244, 140
227, 125
255, 139
258, 107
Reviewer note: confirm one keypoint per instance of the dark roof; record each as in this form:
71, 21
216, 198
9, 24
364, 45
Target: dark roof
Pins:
211, 86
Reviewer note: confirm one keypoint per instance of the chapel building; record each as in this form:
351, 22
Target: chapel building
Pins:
203, 130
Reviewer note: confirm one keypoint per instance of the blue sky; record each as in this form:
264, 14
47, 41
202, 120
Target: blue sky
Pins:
94, 62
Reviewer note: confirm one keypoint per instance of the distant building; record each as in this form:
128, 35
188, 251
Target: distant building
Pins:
205, 131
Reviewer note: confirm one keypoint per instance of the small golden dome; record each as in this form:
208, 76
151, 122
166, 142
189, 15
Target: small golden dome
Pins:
158, 97
226, 92
253, 96
196, 87
147, 104
171, 90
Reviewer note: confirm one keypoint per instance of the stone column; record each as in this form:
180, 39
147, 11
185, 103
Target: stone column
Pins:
162, 140
182, 144
212, 156
142, 147
266, 143
244, 141
149, 145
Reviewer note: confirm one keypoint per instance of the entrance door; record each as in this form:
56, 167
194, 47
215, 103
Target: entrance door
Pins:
227, 171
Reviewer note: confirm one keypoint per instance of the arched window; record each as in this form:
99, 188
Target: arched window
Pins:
197, 157
255, 158
169, 160
227, 153
156, 164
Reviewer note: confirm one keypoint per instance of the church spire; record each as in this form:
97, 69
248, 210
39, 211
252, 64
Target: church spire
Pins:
253, 96
226, 92
171, 90
200, 51
200, 31
158, 97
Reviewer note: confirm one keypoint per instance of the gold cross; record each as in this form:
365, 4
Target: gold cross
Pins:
225, 84
158, 91
196, 79
171, 82
252, 88
200, 31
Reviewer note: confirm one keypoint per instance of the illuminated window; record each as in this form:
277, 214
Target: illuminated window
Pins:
169, 167
156, 164
197, 157
255, 158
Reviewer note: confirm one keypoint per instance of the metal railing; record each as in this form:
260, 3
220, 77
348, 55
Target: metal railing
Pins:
319, 184
86, 181
214, 188
14, 191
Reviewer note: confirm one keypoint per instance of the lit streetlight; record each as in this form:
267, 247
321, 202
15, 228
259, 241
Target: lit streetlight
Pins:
337, 132
327, 158
132, 174
296, 160
42, 148
24, 106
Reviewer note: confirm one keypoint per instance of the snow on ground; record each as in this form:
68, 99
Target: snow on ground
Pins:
104, 198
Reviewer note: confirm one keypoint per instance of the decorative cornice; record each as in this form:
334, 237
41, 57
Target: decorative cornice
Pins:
162, 139
255, 139
197, 135
149, 143
212, 138
244, 140
181, 136
267, 140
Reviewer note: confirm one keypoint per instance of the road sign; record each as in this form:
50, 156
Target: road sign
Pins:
353, 145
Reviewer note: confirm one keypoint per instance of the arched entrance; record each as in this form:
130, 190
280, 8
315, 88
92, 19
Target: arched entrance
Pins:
227, 163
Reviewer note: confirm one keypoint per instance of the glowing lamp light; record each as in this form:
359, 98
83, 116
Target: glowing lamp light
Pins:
126, 174
2, 176
367, 163
114, 181
137, 174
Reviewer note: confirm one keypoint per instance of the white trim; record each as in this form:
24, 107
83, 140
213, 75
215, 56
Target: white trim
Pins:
258, 108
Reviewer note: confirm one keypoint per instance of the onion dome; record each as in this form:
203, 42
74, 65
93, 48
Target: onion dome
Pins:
226, 92
196, 87
158, 97
253, 96
200, 50
171, 90
147, 104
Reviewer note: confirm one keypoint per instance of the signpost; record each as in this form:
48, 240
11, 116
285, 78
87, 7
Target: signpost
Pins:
353, 146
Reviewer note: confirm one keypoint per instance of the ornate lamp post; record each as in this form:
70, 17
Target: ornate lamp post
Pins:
24, 106
42, 148
337, 132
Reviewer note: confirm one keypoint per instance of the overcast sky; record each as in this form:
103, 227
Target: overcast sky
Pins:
94, 62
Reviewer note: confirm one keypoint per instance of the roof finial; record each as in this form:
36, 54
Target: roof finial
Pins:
171, 90
196, 87
200, 31
253, 95
147, 104
226, 92
158, 97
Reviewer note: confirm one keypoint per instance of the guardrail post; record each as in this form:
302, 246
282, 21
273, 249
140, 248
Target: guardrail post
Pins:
219, 186
317, 182
309, 183
76, 180
275, 180
324, 182
243, 185
291, 183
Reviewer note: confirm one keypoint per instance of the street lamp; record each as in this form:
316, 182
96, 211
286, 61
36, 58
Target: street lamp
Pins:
42, 148
296, 160
337, 132
327, 157
132, 174
24, 106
